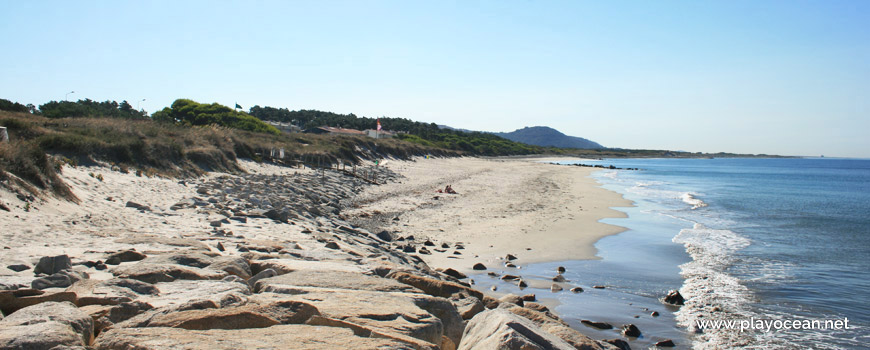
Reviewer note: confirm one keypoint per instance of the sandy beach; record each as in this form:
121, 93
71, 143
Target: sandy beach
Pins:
312, 255
526, 207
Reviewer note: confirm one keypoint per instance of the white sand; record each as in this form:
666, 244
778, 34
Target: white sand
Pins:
503, 206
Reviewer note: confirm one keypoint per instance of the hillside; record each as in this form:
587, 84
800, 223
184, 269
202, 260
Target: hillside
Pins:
548, 137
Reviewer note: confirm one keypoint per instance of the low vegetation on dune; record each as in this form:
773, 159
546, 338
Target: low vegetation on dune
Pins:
39, 146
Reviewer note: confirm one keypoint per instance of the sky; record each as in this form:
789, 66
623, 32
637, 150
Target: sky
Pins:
775, 77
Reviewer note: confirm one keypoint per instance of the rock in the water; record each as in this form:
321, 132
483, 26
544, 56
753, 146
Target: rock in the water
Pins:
45, 326
510, 278
630, 330
654, 314
275, 337
555, 288
559, 278
124, 256
479, 267
536, 306
666, 343
598, 287
50, 265
560, 269
674, 298
599, 325
577, 290
18, 267
529, 297
500, 329
522, 284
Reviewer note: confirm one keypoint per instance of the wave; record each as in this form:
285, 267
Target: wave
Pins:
710, 292
690, 199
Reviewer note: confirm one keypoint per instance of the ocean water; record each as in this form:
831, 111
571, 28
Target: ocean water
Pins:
743, 240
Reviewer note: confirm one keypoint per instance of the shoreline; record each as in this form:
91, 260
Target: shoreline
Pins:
535, 211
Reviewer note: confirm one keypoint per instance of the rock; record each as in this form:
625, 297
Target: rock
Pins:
124, 256
511, 299
536, 306
552, 324
18, 267
110, 292
275, 337
630, 330
419, 316
165, 272
577, 290
560, 269
433, 286
137, 206
220, 247
454, 273
654, 314
508, 264
385, 236
429, 243
509, 278
479, 267
529, 297
500, 329
50, 265
424, 251
445, 245
233, 265
185, 291
666, 343
522, 284
599, 325
555, 288
267, 273
13, 300
598, 287
559, 278
332, 245
240, 219
107, 315
468, 307
58, 280
674, 298
409, 249
291, 281
250, 315
215, 223
510, 257
619, 343
45, 326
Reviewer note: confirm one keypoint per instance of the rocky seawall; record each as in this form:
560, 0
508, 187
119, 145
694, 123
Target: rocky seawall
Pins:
257, 260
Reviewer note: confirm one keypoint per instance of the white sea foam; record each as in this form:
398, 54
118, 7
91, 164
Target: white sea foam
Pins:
710, 292
690, 199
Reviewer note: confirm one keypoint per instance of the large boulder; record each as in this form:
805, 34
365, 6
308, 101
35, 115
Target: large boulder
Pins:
551, 324
124, 256
275, 337
500, 329
251, 315
416, 315
50, 265
45, 326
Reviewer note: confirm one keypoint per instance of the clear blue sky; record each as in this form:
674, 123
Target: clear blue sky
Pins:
780, 77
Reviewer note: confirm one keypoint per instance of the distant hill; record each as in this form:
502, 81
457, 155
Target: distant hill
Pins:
547, 136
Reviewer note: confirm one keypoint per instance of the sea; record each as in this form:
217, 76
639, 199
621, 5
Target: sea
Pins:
744, 240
